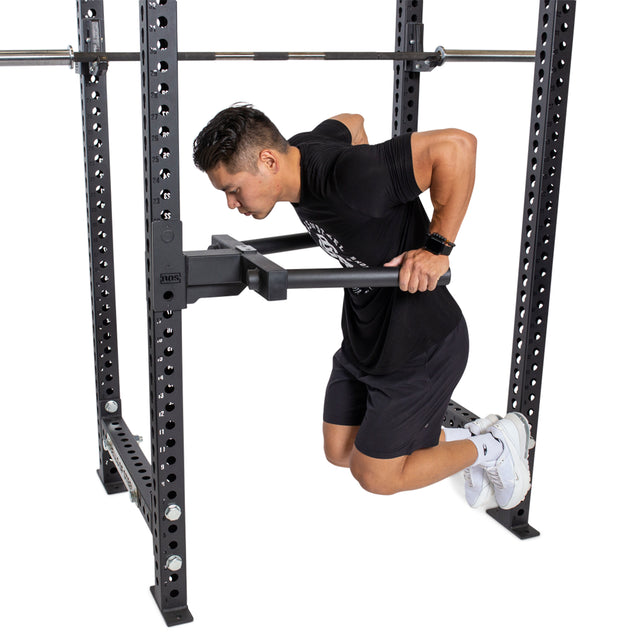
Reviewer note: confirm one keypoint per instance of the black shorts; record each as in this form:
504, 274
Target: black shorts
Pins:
403, 411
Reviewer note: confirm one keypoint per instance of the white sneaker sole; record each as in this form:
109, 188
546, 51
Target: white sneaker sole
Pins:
519, 450
485, 499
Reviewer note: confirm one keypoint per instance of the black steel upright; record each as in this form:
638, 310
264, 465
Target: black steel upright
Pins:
406, 81
409, 38
165, 300
93, 83
542, 188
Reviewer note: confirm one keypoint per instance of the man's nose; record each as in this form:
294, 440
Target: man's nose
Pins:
232, 202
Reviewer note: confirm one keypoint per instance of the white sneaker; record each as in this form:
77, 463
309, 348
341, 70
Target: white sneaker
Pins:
477, 489
509, 474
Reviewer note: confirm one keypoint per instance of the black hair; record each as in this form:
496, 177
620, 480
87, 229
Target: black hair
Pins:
235, 137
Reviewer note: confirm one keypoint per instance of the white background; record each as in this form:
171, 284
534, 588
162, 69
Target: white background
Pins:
280, 543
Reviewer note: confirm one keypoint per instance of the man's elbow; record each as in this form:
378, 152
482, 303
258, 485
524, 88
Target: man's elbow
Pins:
355, 119
355, 123
458, 148
465, 141
360, 136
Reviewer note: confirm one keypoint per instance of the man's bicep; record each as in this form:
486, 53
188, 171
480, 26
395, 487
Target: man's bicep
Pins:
450, 151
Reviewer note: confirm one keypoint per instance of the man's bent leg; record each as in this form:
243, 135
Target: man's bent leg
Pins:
338, 443
420, 469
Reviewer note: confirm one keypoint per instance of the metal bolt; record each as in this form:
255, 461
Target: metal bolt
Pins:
173, 512
111, 406
174, 563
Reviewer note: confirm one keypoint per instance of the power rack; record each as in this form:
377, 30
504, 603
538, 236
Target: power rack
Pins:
176, 278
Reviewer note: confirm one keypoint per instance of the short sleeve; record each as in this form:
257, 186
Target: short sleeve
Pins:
333, 130
375, 179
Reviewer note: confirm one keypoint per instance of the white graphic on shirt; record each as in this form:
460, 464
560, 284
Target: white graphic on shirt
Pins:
332, 247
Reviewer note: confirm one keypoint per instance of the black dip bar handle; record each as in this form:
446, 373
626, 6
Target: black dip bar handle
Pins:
344, 278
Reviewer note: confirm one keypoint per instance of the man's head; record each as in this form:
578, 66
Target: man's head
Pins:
241, 151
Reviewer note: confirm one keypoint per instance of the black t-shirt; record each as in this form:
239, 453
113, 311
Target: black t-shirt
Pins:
360, 204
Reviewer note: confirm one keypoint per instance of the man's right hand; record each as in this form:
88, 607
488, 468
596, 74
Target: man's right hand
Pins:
420, 270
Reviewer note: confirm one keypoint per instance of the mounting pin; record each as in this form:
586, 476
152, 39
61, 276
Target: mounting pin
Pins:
174, 563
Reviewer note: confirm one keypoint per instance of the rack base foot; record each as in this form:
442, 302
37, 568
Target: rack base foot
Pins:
172, 617
505, 518
116, 486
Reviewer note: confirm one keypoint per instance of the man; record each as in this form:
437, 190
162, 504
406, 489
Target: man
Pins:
404, 349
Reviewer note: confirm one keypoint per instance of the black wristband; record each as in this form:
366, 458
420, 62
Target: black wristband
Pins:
438, 245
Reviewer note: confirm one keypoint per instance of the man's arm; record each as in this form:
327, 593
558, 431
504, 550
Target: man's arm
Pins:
443, 162
355, 123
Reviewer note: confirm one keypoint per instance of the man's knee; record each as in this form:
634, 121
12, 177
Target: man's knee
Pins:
337, 456
338, 443
374, 483
381, 477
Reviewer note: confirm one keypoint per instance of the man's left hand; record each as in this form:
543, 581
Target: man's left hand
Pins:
420, 270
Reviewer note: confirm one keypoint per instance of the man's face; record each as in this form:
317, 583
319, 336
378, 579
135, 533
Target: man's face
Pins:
252, 194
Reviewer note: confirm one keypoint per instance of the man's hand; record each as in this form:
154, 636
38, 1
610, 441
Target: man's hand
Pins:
420, 270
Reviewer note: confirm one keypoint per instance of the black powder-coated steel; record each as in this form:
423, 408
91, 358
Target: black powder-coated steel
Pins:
406, 81
165, 270
95, 124
542, 188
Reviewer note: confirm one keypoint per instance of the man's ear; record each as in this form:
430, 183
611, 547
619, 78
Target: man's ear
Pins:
269, 160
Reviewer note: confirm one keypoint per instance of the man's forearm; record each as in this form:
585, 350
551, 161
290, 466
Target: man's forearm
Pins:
452, 180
